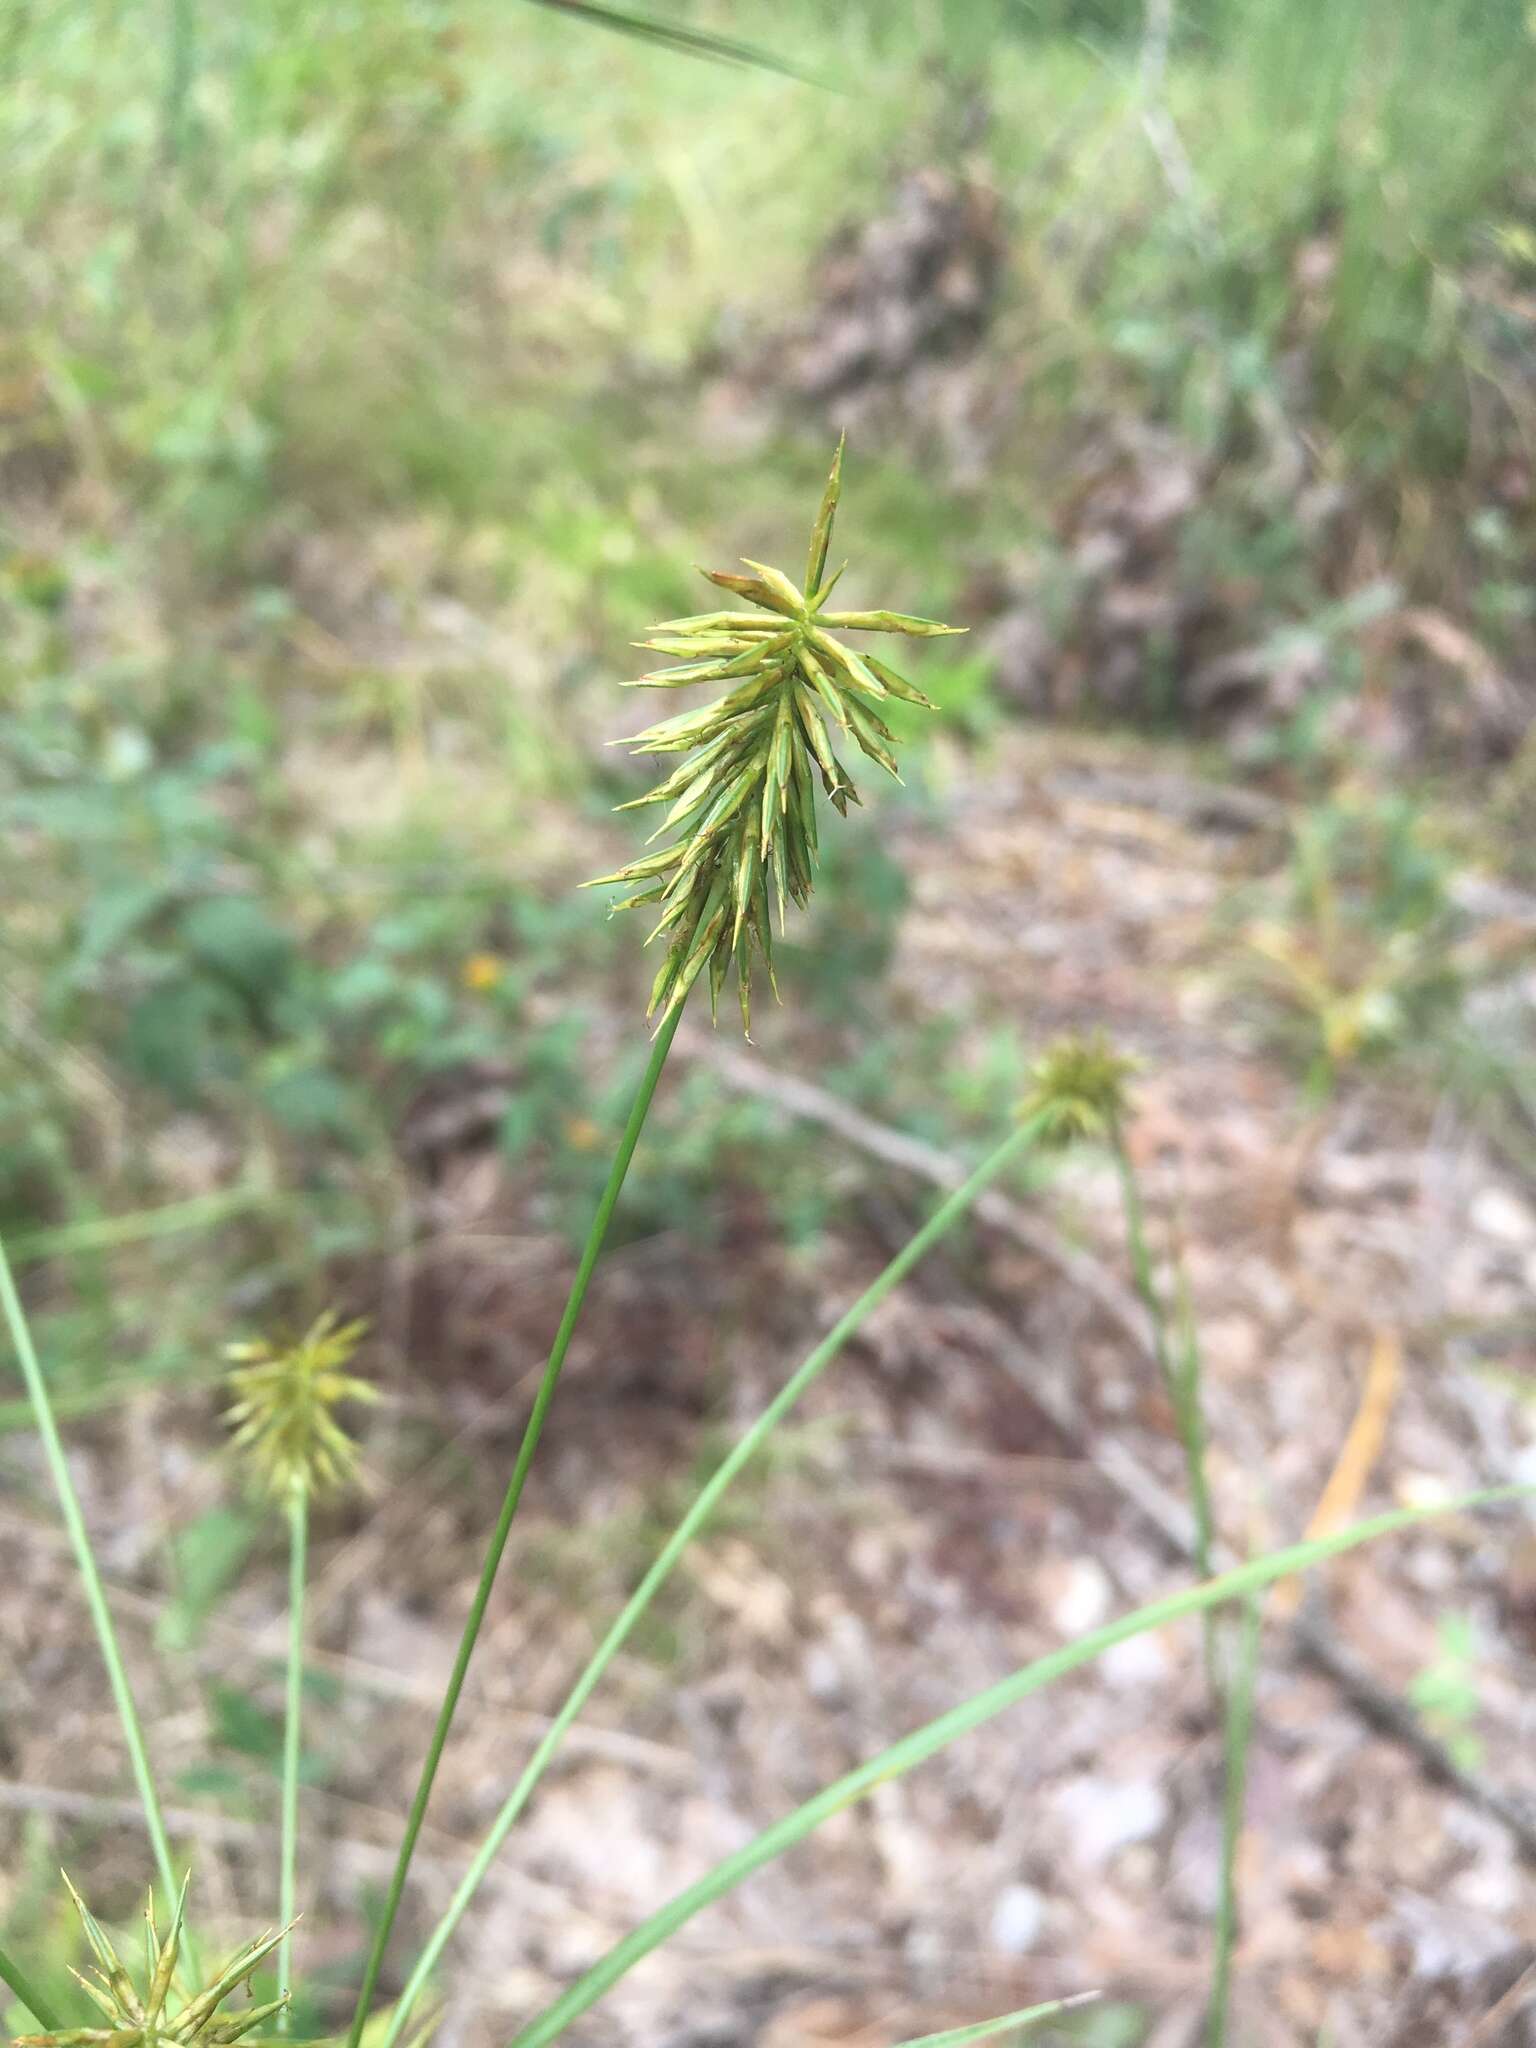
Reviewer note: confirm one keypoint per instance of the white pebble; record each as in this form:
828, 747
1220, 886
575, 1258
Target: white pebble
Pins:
1017, 1919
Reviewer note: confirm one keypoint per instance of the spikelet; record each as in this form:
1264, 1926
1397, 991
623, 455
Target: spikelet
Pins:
1079, 1088
161, 2012
283, 1421
741, 819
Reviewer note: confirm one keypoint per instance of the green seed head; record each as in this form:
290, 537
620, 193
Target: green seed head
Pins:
283, 1416
741, 818
1079, 1089
161, 2011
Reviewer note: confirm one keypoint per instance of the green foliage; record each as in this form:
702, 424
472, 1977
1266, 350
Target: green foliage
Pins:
1356, 950
207, 1558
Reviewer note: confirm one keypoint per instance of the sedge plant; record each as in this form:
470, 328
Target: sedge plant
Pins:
1080, 1091
741, 828
741, 819
285, 1429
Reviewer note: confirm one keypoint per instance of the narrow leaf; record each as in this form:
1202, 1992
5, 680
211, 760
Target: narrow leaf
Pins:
676, 35
984, 2030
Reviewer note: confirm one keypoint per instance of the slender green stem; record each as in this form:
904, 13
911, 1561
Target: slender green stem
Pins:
661, 1046
288, 1868
17, 1981
85, 1560
942, 1220
1239, 1733
1141, 1257
1181, 1378
938, 1734
1190, 1413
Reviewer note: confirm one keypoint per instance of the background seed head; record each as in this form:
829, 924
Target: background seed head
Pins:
283, 1416
1079, 1089
741, 820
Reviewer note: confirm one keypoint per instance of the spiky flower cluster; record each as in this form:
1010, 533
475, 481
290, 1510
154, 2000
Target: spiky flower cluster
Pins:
741, 817
282, 1415
1078, 1089
161, 2014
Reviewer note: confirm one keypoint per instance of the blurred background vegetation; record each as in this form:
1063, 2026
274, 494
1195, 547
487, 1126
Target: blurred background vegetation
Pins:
371, 372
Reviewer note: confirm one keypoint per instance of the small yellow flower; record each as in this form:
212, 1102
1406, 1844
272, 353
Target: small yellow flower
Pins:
482, 971
159, 2016
1079, 1089
282, 1417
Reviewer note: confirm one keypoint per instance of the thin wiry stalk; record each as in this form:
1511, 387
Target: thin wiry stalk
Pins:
1189, 1412
12, 1975
938, 1225
288, 1868
85, 1561
938, 1734
1181, 1378
1239, 1734
498, 1543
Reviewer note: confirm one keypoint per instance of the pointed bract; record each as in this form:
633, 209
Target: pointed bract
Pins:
154, 2018
886, 622
821, 532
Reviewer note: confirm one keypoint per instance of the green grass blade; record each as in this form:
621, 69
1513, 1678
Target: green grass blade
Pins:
938, 1734
938, 1225
288, 1862
1189, 1412
677, 35
16, 1980
1181, 1377
105, 1233
985, 2030
1141, 1257
660, 1047
1239, 1735
85, 1560
177, 1369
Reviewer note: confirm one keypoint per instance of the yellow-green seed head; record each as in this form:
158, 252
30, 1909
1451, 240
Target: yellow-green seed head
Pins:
741, 818
1078, 1089
161, 2013
283, 1416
